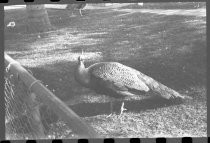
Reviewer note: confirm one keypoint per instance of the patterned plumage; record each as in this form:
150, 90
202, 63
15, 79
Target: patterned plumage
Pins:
113, 79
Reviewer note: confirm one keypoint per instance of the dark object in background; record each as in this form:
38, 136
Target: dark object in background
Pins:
73, 7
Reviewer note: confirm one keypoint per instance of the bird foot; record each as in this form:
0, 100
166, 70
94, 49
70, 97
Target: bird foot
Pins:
110, 115
122, 109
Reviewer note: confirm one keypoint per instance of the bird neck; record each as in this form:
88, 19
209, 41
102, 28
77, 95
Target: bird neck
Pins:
82, 75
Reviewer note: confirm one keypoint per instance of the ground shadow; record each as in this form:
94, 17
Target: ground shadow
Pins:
93, 109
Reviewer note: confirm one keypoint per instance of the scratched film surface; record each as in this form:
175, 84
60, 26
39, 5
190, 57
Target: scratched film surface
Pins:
157, 90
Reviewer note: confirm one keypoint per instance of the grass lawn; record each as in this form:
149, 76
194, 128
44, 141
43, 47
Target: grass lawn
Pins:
168, 48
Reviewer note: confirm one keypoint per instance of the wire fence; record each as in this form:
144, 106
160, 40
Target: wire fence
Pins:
29, 116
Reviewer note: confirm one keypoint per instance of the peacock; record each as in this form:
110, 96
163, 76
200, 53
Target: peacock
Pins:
118, 81
73, 7
80, 7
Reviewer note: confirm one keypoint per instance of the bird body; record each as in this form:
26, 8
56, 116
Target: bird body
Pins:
118, 81
111, 78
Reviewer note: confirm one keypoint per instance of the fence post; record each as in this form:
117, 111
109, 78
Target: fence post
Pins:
37, 126
77, 124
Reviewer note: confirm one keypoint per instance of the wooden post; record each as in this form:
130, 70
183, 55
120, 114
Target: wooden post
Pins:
35, 119
37, 20
63, 111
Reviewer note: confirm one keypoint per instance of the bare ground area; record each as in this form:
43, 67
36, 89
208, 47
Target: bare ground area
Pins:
170, 48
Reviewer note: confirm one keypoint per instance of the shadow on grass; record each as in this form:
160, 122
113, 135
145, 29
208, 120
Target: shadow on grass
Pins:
93, 109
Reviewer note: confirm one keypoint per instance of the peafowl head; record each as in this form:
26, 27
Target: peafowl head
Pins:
80, 59
81, 64
81, 73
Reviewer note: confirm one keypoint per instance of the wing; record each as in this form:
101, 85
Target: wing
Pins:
118, 77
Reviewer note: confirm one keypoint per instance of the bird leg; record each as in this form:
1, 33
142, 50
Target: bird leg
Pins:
122, 108
111, 107
80, 11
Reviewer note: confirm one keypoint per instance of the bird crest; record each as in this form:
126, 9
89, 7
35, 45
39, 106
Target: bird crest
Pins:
81, 57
